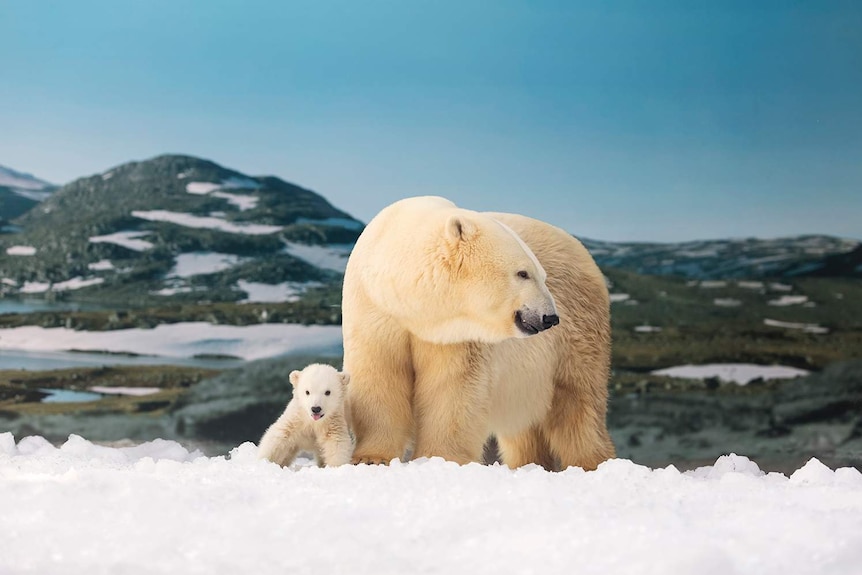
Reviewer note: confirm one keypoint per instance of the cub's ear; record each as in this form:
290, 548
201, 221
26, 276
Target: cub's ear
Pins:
294, 377
345, 377
461, 227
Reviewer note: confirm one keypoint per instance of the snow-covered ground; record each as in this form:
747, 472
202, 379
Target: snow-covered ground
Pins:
180, 340
157, 508
740, 373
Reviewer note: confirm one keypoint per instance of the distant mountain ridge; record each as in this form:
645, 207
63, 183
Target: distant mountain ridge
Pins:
20, 192
731, 258
178, 227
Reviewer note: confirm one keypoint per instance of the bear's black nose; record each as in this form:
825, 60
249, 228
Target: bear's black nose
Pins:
550, 320
315, 409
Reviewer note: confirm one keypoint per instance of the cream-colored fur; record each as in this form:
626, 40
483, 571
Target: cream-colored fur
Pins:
431, 306
316, 420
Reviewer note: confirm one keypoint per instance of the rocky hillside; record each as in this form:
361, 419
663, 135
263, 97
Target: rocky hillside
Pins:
19, 193
728, 259
177, 227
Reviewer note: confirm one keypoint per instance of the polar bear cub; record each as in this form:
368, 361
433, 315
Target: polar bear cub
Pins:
315, 420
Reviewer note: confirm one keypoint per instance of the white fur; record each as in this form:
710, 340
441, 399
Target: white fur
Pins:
325, 434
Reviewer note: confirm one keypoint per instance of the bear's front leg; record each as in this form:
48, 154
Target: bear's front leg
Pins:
280, 443
380, 389
451, 401
334, 444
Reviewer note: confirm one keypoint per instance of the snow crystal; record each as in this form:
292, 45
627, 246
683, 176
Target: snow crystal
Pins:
211, 223
21, 251
331, 257
128, 240
740, 373
158, 508
186, 339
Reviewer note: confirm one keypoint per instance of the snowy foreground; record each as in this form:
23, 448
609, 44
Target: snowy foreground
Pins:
156, 508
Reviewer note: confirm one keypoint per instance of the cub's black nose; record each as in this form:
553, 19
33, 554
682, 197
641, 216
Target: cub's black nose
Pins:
315, 409
550, 320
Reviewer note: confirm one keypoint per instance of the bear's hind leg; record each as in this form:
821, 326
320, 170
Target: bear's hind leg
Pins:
526, 447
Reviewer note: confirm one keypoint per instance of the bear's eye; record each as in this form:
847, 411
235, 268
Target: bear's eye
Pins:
523, 275
307, 392
327, 392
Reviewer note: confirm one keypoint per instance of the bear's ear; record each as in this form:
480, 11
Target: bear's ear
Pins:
294, 377
460, 227
345, 377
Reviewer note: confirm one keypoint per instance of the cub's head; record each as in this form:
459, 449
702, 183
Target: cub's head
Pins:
495, 285
320, 389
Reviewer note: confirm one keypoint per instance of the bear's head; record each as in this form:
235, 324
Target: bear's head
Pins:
320, 388
489, 285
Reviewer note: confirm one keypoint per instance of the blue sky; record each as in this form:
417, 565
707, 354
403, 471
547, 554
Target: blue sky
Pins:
614, 120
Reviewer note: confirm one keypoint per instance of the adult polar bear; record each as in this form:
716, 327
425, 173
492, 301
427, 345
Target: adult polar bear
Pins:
442, 313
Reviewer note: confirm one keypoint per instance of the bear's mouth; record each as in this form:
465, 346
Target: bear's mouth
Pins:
316, 416
525, 326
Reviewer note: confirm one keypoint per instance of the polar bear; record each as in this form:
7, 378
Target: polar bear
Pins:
451, 335
315, 420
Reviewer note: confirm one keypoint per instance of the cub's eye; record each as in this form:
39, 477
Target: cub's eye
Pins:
307, 392
327, 392
523, 275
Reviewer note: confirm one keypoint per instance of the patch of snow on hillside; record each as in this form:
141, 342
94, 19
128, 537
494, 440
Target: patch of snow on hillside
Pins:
199, 263
76, 283
242, 202
204, 222
739, 373
750, 284
21, 251
158, 508
713, 284
129, 240
174, 290
107, 175
775, 286
185, 339
805, 327
119, 390
646, 328
101, 266
35, 287
334, 222
201, 188
9, 282
332, 257
786, 300
726, 302
232, 183
273, 293
618, 297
